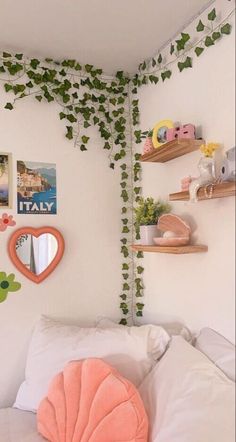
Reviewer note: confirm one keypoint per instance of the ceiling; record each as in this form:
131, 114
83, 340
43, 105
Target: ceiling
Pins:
111, 34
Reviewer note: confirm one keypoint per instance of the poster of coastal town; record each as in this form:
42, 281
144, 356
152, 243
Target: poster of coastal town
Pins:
36, 188
4, 180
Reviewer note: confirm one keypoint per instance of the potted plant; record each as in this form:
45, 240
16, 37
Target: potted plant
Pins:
146, 216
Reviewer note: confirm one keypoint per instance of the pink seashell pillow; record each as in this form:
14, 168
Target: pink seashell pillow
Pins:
91, 402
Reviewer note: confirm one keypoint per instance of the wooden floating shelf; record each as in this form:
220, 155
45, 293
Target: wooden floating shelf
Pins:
172, 149
180, 250
219, 191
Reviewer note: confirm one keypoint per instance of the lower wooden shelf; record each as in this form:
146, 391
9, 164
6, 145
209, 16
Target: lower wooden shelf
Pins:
198, 248
219, 191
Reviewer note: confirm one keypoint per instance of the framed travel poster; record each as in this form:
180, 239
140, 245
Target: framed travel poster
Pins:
5, 180
36, 188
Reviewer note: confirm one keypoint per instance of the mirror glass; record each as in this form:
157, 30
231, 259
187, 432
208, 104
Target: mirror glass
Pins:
36, 253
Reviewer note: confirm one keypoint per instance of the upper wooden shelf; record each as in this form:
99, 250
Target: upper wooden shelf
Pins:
219, 191
172, 149
180, 250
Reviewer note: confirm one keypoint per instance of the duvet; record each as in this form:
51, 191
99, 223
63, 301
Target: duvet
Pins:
18, 426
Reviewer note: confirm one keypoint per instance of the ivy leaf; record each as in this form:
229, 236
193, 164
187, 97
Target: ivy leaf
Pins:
144, 65
86, 124
29, 84
71, 118
38, 97
125, 229
188, 63
112, 166
123, 321
198, 50
209, 42
140, 270
83, 147
139, 313
216, 36
172, 48
6, 55
19, 56
8, 87
126, 286
34, 63
69, 134
85, 139
153, 79
88, 67
154, 62
165, 75
159, 59
124, 297
226, 29
61, 115
200, 27
182, 42
212, 15
9, 106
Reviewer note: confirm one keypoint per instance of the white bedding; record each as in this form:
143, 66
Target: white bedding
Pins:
18, 426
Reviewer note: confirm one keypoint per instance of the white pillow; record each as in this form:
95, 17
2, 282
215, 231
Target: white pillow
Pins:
187, 398
132, 351
218, 349
172, 328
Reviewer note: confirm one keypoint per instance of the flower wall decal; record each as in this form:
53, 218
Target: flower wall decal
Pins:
6, 221
7, 284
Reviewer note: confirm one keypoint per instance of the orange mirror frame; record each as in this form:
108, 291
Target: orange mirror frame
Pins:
36, 232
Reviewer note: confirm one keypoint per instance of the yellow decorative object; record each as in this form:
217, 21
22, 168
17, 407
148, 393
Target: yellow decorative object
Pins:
209, 149
159, 132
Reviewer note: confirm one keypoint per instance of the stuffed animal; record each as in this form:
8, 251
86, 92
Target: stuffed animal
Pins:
228, 172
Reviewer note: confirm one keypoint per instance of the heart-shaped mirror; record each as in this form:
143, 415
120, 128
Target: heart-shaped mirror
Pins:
36, 252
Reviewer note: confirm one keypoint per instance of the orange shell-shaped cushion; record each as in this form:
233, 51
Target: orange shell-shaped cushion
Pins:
91, 402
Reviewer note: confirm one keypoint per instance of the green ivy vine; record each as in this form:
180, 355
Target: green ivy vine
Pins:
183, 49
86, 97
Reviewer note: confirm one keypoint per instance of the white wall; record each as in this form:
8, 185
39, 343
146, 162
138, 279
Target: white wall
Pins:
199, 288
86, 283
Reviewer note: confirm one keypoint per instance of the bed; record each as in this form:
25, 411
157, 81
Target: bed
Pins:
18, 426
188, 393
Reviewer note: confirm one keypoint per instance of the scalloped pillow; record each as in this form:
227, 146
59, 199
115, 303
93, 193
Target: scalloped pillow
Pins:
132, 351
88, 400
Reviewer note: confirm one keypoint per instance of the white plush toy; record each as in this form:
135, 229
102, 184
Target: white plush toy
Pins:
228, 172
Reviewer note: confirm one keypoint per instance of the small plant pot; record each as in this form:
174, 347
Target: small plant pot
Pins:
147, 233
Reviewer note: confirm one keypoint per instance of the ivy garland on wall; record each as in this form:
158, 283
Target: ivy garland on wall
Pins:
183, 49
86, 97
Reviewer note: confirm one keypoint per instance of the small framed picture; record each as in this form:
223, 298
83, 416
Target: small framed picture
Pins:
5, 180
36, 188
